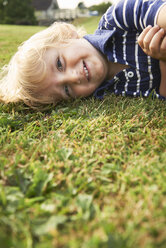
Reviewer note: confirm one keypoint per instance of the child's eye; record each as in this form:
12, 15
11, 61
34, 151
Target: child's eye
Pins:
67, 90
59, 64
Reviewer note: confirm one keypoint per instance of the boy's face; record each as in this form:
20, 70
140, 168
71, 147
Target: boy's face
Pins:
75, 70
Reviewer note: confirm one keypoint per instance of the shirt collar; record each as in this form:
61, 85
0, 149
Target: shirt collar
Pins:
100, 39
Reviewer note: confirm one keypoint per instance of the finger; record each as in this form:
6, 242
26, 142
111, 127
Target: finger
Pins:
149, 36
156, 41
142, 35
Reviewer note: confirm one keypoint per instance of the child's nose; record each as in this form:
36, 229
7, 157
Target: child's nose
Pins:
73, 77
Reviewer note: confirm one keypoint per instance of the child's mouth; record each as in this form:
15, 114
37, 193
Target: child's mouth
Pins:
86, 71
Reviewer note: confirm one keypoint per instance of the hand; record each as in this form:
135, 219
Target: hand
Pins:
152, 40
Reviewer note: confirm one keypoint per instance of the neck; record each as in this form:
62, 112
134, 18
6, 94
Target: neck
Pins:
114, 68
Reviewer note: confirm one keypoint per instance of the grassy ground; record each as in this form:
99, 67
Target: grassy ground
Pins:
84, 174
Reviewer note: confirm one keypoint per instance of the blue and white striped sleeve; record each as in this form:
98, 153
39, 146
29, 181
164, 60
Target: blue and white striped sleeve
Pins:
132, 14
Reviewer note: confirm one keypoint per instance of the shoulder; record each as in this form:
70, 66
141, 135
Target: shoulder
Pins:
119, 15
131, 14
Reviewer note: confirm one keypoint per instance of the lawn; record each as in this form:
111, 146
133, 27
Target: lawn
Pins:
83, 174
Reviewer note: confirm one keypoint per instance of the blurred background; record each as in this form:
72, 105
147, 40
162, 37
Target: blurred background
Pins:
45, 12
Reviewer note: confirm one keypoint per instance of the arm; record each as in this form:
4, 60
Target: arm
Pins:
162, 89
153, 39
153, 42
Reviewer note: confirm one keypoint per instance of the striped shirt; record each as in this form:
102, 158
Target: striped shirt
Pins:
117, 36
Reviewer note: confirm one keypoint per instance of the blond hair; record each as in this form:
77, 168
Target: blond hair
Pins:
20, 79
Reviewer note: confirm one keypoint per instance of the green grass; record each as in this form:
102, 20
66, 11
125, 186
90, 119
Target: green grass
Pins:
83, 174
90, 24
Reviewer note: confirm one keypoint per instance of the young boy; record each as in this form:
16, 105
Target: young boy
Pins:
58, 64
